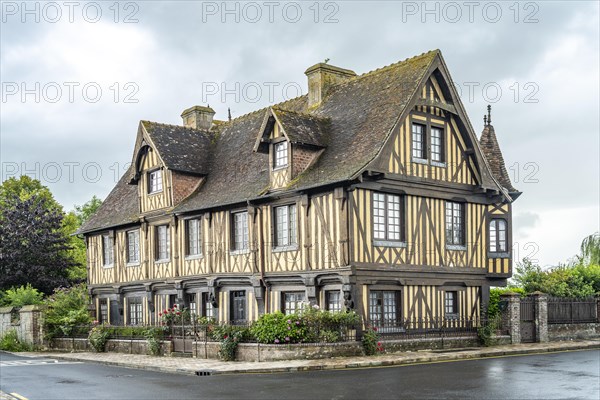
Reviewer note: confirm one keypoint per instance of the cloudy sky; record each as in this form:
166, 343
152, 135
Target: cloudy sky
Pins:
78, 76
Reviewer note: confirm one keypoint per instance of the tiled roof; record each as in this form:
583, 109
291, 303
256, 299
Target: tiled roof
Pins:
352, 123
491, 150
182, 149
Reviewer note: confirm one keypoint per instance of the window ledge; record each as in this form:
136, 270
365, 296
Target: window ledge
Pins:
388, 243
498, 254
458, 247
282, 167
163, 261
108, 266
194, 257
153, 193
133, 264
238, 252
438, 164
280, 249
451, 316
420, 160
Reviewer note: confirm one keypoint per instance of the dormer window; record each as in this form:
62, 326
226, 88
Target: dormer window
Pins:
155, 184
280, 155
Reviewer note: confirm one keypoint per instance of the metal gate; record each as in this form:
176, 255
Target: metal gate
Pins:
183, 338
527, 320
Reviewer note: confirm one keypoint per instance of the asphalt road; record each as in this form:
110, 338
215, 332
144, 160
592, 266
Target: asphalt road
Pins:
563, 375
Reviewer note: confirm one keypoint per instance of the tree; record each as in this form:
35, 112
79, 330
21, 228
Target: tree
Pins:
71, 223
33, 246
590, 250
23, 188
85, 211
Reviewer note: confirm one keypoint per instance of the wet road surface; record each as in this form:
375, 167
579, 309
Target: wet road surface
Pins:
565, 375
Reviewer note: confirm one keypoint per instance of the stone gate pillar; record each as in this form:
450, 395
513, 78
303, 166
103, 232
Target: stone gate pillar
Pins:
541, 316
512, 315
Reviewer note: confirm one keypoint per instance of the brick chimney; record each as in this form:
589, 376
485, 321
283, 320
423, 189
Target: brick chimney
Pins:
321, 77
198, 117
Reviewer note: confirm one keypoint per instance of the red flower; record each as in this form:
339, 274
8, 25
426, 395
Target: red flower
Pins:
375, 328
164, 311
178, 313
160, 314
379, 344
225, 337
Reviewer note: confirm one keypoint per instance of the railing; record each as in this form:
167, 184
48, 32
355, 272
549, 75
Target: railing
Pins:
422, 328
568, 311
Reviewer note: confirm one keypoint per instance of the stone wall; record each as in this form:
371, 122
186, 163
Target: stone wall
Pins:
573, 331
28, 322
112, 346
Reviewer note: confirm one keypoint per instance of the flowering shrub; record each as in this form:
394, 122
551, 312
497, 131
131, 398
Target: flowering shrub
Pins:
67, 308
310, 324
371, 342
229, 343
175, 315
98, 337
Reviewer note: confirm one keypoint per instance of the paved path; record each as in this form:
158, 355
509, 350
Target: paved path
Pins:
195, 366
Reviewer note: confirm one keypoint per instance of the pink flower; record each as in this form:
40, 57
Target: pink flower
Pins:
289, 321
287, 338
276, 341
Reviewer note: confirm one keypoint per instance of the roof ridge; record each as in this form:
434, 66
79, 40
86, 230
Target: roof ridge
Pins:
175, 126
276, 105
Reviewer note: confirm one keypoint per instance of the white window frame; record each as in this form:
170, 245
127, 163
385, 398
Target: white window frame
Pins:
240, 237
193, 237
163, 243
455, 223
498, 234
108, 251
388, 215
280, 155
285, 226
133, 247
155, 182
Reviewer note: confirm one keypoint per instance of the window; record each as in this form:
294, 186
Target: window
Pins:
134, 311
387, 221
240, 231
285, 226
103, 315
498, 235
437, 144
162, 243
455, 224
191, 302
333, 301
238, 306
292, 302
107, 250
207, 306
384, 308
155, 181
281, 155
451, 303
418, 141
133, 247
193, 237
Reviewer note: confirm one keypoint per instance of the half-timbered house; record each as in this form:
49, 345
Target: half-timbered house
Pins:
371, 192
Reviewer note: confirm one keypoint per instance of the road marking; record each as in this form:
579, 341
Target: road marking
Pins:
18, 396
27, 363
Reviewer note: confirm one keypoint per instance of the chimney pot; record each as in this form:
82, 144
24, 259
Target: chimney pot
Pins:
198, 117
321, 77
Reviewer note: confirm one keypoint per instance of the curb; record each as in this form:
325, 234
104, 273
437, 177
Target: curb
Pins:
354, 364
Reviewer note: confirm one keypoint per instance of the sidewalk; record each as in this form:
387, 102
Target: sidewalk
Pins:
195, 366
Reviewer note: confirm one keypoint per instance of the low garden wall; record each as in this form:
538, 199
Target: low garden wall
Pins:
123, 346
558, 332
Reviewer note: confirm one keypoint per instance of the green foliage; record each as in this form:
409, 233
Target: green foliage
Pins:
486, 333
571, 281
494, 305
24, 188
98, 337
10, 342
310, 324
229, 344
175, 316
21, 296
370, 341
153, 337
67, 308
279, 328
77, 250
590, 250
85, 211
